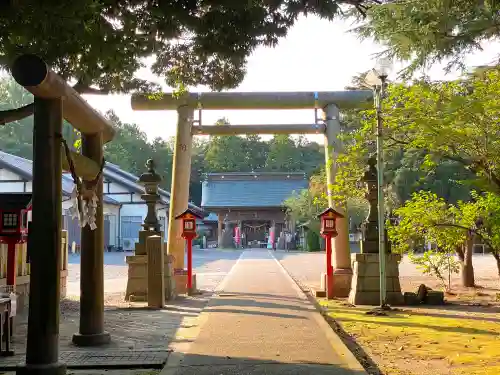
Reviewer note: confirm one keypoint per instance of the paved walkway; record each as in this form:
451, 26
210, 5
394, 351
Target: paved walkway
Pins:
261, 323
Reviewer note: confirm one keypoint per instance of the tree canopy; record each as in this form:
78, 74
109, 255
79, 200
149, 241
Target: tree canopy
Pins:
102, 44
440, 137
423, 32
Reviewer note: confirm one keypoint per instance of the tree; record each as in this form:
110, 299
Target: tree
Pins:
304, 206
225, 153
100, 45
454, 121
282, 155
256, 152
130, 148
17, 137
439, 136
406, 172
487, 208
426, 218
427, 31
199, 150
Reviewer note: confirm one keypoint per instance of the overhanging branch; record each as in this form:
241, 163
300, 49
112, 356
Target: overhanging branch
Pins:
471, 230
16, 114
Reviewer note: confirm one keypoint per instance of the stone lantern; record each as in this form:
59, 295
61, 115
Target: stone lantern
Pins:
150, 180
369, 243
149, 269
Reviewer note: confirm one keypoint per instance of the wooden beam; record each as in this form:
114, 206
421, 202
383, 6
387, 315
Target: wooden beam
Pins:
84, 167
254, 100
34, 75
259, 129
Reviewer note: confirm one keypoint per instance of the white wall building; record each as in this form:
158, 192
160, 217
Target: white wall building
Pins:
124, 210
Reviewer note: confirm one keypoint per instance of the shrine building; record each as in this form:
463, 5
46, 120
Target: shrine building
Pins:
250, 201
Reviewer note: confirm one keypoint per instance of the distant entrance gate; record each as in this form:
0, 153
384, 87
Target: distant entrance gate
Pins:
187, 126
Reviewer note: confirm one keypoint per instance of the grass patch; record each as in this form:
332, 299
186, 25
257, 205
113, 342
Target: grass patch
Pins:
424, 341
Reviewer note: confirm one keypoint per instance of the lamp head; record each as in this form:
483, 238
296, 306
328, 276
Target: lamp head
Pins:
383, 67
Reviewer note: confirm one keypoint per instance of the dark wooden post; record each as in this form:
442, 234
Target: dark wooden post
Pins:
42, 352
92, 263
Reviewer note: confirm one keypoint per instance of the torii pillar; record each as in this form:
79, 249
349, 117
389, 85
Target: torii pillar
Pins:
341, 259
179, 193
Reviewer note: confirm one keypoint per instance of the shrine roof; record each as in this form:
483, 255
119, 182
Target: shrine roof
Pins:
114, 172
250, 190
23, 167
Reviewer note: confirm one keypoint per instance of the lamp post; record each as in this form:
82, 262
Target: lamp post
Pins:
377, 79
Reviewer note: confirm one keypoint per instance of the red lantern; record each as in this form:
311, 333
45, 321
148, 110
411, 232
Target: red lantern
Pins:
188, 218
14, 217
328, 222
329, 231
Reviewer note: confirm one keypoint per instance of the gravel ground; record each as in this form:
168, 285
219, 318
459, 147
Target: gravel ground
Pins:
307, 268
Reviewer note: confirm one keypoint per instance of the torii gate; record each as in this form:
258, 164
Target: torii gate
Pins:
187, 104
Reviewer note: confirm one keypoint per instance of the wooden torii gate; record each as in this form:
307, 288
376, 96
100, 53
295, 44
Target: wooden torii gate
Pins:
55, 100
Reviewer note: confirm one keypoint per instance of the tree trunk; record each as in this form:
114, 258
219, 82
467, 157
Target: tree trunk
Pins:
466, 268
496, 255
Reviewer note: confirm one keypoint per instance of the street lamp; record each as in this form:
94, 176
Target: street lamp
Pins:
377, 79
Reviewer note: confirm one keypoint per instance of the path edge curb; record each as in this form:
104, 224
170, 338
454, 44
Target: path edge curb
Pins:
335, 341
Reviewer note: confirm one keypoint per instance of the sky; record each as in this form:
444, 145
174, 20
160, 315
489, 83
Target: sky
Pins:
316, 55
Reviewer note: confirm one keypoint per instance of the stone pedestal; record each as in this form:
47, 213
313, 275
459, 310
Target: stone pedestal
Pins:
365, 287
180, 279
341, 282
137, 283
156, 272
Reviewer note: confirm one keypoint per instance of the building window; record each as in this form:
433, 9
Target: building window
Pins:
131, 225
161, 220
10, 220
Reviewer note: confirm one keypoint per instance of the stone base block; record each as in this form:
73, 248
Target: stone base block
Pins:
365, 286
373, 298
411, 299
181, 283
341, 282
137, 282
434, 297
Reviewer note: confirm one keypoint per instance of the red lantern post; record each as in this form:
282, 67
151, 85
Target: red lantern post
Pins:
328, 232
14, 209
188, 218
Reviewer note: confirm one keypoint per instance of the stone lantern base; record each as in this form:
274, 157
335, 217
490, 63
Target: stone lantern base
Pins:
137, 282
365, 286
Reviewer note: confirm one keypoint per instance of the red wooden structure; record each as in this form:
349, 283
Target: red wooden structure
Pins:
328, 231
14, 211
188, 218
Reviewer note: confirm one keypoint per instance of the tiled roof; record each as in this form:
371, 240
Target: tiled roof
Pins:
115, 173
239, 190
24, 167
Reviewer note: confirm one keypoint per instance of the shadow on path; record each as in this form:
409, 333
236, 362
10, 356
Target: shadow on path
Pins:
196, 364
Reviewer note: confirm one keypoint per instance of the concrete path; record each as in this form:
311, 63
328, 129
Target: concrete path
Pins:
261, 323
